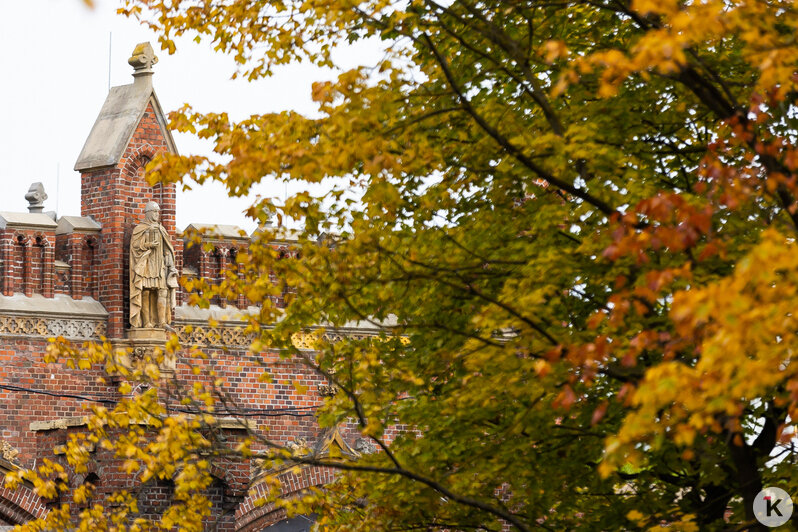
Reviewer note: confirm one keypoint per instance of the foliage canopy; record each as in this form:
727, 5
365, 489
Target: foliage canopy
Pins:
580, 215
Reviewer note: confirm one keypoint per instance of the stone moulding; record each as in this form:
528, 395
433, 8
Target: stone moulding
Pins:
86, 319
38, 316
227, 423
202, 334
189, 334
306, 341
80, 329
193, 326
233, 335
71, 329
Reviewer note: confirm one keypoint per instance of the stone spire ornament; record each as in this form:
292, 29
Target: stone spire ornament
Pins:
142, 60
36, 196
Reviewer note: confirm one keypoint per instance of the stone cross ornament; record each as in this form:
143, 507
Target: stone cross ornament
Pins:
153, 276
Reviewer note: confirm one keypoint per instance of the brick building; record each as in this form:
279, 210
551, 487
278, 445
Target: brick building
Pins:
69, 276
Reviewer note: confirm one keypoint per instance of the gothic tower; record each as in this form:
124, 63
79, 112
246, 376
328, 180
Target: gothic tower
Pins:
130, 130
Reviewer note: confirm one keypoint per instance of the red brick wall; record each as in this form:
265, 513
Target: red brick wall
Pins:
238, 370
21, 364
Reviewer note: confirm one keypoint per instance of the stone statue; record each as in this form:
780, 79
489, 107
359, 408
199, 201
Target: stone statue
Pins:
153, 277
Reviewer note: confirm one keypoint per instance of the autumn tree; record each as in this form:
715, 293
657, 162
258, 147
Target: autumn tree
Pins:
574, 221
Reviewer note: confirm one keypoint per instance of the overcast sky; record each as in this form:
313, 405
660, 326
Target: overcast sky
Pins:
55, 73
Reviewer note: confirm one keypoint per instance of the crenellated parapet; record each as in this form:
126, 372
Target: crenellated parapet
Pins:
209, 250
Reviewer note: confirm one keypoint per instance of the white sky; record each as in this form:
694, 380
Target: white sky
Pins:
55, 78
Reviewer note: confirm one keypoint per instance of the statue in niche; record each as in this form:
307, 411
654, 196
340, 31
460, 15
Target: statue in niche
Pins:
153, 276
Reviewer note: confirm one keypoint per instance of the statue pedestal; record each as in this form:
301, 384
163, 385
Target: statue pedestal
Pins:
153, 334
146, 343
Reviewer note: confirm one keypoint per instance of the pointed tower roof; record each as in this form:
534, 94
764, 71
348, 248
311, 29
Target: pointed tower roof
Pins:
121, 113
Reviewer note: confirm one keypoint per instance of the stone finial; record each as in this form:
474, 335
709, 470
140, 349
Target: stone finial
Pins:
142, 60
36, 196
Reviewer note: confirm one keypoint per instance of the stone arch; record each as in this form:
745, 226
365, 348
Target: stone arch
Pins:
251, 517
20, 505
155, 496
132, 172
41, 239
138, 159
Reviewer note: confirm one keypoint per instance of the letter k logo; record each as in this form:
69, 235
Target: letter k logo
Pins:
772, 506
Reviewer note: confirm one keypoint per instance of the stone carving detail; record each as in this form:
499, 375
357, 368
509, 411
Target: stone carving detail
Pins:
204, 335
298, 445
143, 58
212, 336
74, 329
365, 446
9, 452
137, 354
153, 276
36, 196
327, 390
303, 340
308, 340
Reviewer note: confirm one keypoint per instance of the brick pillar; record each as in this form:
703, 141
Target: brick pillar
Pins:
8, 267
223, 254
48, 270
204, 265
242, 302
89, 262
76, 256
179, 267
27, 267
103, 197
166, 197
